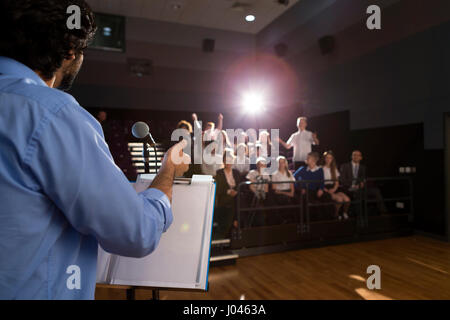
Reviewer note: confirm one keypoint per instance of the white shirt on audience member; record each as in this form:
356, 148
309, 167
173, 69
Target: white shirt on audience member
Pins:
255, 176
280, 177
327, 175
301, 141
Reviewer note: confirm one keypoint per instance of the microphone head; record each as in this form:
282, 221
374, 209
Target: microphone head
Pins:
140, 130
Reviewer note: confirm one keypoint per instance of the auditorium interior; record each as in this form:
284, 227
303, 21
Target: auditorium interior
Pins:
383, 91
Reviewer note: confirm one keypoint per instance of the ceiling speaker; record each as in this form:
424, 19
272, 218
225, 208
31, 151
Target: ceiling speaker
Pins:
208, 45
140, 67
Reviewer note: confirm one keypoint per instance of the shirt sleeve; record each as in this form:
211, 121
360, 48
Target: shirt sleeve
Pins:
291, 140
74, 168
297, 174
311, 139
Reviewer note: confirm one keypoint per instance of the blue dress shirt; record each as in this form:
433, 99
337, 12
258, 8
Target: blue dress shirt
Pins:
61, 194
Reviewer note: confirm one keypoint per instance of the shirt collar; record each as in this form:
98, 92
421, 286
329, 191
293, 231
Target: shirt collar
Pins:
313, 170
12, 67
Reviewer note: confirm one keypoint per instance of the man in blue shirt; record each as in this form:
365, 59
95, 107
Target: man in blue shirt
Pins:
60, 192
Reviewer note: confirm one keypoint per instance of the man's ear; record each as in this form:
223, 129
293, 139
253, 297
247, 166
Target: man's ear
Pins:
70, 56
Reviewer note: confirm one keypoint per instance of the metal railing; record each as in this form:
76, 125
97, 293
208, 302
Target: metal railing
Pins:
359, 201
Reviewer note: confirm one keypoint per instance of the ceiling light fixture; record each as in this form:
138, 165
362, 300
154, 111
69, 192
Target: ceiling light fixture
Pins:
250, 18
176, 6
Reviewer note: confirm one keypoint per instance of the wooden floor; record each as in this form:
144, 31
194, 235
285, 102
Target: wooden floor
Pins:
411, 268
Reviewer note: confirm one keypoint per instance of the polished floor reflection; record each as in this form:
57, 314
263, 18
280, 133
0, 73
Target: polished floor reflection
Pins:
411, 268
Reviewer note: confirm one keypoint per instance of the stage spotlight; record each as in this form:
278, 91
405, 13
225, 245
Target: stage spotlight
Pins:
253, 102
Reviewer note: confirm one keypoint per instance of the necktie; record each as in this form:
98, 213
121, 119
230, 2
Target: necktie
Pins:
355, 171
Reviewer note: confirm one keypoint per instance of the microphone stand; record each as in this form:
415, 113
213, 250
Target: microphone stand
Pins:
146, 156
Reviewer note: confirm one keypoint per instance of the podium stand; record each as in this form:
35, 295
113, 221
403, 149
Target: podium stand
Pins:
181, 260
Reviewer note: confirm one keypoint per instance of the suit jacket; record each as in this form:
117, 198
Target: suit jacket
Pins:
346, 177
222, 198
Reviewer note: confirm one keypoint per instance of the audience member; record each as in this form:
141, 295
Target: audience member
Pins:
264, 144
301, 141
313, 173
284, 192
242, 163
227, 181
353, 179
211, 132
212, 163
331, 175
260, 190
194, 168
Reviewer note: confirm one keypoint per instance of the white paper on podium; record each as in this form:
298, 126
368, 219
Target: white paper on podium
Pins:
181, 259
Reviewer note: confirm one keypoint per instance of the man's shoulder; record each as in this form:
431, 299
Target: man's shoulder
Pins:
49, 98
45, 101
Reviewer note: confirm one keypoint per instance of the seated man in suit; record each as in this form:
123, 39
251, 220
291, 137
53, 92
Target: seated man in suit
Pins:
353, 179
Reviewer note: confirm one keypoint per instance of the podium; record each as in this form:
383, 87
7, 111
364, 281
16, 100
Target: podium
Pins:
181, 260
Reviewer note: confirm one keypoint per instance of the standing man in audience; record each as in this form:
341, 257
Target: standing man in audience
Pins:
353, 179
61, 194
301, 141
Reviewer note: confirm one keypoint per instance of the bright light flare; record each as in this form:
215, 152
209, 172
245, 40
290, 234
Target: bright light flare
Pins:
253, 102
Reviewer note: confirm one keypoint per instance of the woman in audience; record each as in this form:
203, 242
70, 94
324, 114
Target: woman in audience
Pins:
331, 176
227, 180
242, 163
284, 192
260, 190
212, 159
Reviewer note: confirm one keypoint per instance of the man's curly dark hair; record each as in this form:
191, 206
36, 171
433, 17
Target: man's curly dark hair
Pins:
35, 32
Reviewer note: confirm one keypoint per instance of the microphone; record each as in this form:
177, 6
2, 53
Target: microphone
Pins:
141, 130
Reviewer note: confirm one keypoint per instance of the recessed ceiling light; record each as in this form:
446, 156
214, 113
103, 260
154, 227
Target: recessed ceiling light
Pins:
176, 6
250, 18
